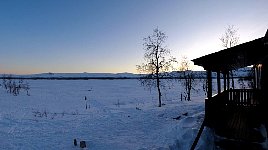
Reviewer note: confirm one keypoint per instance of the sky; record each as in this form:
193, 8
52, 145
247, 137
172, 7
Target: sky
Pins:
106, 36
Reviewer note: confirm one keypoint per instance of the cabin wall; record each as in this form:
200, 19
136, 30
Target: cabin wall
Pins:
264, 88
264, 77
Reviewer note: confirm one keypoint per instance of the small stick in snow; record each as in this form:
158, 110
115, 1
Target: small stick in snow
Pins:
75, 142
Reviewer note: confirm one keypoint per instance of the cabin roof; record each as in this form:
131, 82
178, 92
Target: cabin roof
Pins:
243, 55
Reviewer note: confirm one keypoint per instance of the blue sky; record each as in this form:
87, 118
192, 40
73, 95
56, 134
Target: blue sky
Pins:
107, 35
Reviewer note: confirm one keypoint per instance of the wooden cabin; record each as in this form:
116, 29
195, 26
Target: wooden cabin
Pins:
238, 115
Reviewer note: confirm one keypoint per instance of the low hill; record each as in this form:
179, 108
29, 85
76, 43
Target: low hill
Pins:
79, 76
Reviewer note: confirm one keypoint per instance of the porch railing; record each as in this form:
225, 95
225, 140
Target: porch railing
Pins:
232, 99
239, 97
217, 106
243, 97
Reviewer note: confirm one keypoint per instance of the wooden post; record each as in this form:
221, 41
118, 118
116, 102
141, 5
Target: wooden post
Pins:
228, 81
264, 88
219, 81
224, 82
198, 136
209, 96
75, 142
209, 78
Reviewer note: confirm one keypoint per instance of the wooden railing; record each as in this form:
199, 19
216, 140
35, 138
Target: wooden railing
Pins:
230, 100
243, 97
219, 105
238, 97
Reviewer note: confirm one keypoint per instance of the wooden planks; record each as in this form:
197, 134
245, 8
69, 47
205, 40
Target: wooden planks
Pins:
241, 129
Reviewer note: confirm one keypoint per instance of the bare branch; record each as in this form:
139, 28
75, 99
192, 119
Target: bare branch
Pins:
230, 37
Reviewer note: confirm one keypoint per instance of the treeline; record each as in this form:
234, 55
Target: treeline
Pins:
71, 78
172, 75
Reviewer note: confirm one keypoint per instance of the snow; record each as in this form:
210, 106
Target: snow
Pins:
120, 115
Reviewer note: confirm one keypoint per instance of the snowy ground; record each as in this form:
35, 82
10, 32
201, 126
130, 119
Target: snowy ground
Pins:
121, 115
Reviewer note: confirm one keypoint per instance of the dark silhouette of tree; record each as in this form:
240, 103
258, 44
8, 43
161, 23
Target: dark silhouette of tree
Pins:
14, 86
229, 39
187, 77
157, 62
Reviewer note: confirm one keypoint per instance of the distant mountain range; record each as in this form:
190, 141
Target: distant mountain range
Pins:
75, 76
80, 76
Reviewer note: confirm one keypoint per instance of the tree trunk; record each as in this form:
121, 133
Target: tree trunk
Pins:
157, 76
189, 89
159, 91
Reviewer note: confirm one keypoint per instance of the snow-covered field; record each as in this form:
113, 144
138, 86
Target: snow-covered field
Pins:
120, 115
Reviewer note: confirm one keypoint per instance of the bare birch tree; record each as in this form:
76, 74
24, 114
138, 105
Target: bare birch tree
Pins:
187, 77
229, 39
157, 61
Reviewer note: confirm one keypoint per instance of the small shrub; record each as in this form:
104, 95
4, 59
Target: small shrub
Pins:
14, 86
40, 114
